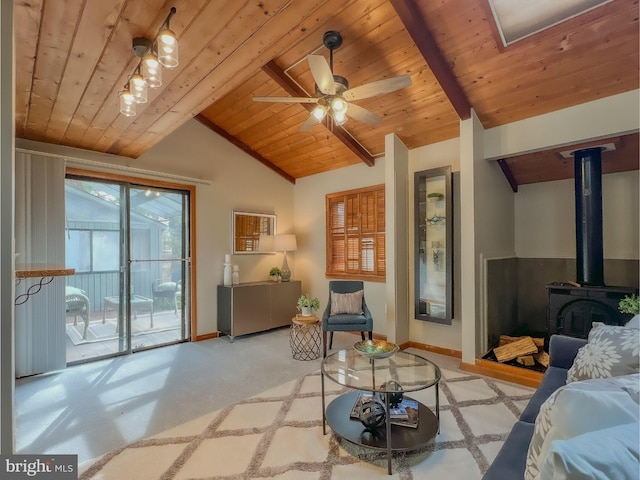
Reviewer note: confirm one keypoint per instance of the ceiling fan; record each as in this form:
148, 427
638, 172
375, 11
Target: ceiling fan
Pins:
333, 95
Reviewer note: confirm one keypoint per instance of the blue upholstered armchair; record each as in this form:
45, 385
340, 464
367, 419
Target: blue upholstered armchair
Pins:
359, 320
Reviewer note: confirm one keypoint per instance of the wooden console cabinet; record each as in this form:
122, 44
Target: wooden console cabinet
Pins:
256, 306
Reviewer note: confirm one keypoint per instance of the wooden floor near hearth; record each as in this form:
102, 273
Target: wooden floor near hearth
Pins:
510, 373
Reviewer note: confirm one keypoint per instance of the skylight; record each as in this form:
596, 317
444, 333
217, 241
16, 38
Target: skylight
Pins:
518, 19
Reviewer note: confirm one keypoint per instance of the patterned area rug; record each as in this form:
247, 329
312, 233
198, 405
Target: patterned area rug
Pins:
278, 435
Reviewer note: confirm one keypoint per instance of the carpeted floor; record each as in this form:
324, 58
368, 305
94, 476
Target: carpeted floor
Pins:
278, 434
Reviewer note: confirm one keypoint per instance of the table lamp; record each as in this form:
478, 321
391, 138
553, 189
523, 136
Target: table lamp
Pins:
285, 243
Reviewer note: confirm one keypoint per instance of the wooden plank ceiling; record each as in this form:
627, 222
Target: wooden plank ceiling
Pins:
72, 61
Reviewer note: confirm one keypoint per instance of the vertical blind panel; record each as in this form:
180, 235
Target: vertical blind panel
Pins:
40, 222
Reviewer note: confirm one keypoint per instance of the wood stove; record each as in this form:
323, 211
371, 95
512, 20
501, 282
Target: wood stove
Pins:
574, 306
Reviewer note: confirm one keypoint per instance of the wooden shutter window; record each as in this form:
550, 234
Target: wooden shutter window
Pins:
356, 234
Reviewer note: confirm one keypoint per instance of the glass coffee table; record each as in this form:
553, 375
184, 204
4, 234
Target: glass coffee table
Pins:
401, 372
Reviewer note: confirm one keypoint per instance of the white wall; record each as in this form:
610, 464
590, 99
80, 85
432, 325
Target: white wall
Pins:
545, 218
602, 118
238, 182
397, 239
309, 201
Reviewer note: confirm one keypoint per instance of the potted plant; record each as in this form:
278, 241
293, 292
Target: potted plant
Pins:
274, 273
308, 305
630, 304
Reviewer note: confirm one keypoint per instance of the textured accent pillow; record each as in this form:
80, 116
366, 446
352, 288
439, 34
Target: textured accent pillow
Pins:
571, 411
347, 303
576, 458
542, 427
611, 351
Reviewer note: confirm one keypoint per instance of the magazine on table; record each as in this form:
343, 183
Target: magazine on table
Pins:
410, 406
406, 413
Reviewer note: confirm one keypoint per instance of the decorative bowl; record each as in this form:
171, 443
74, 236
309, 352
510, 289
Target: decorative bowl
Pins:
375, 348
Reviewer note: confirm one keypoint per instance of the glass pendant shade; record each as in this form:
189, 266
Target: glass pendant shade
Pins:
154, 54
319, 113
338, 105
151, 70
167, 48
340, 118
138, 88
127, 103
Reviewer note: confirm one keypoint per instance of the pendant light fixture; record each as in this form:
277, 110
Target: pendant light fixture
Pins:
127, 102
154, 54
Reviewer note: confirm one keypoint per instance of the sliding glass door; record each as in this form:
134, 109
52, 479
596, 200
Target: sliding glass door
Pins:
158, 220
129, 246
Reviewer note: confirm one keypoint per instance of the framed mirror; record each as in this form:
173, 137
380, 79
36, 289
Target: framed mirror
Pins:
433, 245
247, 228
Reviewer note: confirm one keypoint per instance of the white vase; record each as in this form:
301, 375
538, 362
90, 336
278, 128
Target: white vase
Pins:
235, 275
226, 279
306, 311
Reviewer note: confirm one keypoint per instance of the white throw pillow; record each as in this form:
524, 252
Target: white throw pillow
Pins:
610, 351
350, 303
578, 408
634, 322
607, 454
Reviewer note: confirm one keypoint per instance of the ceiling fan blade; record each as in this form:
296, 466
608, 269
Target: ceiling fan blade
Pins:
322, 74
377, 88
286, 99
362, 114
308, 125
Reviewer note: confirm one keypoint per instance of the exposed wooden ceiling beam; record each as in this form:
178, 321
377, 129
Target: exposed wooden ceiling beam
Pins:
281, 78
504, 166
413, 21
242, 146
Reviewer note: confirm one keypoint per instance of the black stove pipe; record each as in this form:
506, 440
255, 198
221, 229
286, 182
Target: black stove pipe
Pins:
588, 195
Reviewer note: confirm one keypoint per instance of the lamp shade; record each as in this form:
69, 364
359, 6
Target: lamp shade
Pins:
265, 243
285, 243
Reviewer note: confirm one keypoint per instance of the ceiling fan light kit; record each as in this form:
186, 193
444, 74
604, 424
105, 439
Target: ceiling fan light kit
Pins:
161, 52
332, 91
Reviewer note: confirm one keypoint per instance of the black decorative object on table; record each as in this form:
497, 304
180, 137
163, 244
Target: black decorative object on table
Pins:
372, 415
394, 398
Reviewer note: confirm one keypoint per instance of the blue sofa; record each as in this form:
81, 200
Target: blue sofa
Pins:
511, 459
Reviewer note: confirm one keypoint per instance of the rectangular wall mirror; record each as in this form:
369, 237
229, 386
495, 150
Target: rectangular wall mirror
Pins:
247, 228
433, 245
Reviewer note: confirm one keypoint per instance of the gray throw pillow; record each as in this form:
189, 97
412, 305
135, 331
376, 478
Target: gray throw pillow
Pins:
610, 351
350, 303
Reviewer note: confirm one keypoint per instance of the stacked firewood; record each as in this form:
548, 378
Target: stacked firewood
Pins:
525, 350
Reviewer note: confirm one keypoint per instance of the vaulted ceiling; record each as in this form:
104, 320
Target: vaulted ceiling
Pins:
73, 57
